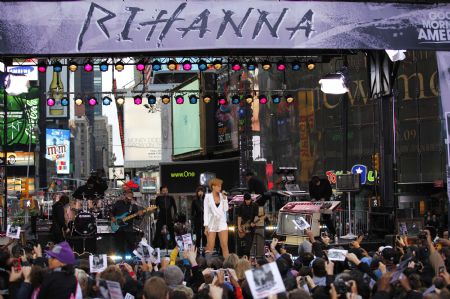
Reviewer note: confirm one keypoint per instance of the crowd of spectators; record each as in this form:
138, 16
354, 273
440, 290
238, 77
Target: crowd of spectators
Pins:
410, 268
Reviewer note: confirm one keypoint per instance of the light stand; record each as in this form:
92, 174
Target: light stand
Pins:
349, 235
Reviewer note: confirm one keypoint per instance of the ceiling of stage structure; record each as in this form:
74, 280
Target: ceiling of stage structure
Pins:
125, 27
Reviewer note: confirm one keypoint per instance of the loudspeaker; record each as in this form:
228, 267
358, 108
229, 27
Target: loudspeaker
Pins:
389, 240
105, 244
348, 182
259, 242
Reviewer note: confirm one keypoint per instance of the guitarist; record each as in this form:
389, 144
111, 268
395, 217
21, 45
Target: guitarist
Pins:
125, 238
247, 218
59, 227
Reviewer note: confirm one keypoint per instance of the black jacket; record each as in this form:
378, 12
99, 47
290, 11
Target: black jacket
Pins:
197, 212
58, 285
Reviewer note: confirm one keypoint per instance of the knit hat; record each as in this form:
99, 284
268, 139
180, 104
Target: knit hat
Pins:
63, 253
173, 276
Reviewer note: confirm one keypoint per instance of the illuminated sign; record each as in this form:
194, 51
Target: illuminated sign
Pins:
58, 149
366, 176
18, 158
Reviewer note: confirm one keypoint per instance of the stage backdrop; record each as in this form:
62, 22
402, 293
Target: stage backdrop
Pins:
140, 26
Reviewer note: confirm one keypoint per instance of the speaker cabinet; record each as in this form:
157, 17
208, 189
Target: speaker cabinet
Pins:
348, 182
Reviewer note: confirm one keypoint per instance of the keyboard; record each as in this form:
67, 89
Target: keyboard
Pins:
325, 207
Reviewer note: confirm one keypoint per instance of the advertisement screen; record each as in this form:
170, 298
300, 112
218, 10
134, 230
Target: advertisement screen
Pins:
186, 121
58, 149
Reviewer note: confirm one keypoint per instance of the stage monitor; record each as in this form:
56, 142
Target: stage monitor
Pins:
348, 182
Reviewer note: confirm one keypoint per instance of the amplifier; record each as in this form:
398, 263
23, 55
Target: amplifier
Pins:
103, 227
348, 182
43, 225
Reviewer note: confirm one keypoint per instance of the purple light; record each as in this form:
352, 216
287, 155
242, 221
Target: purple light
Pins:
92, 101
88, 67
42, 68
51, 102
179, 100
137, 100
187, 65
140, 66
222, 101
281, 66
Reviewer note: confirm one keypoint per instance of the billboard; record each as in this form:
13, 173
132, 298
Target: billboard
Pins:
186, 118
18, 158
58, 149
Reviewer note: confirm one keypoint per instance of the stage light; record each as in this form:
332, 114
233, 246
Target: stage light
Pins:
249, 99
92, 101
120, 100
396, 55
296, 66
151, 100
172, 65
51, 102
276, 99
262, 99
104, 66
217, 64
64, 101
73, 66
187, 65
106, 101
78, 101
140, 66
202, 65
57, 66
222, 100
281, 66
236, 66
156, 65
206, 99
193, 99
179, 99
251, 65
165, 99
310, 65
119, 66
289, 99
137, 100
235, 99
334, 83
88, 66
266, 65
42, 67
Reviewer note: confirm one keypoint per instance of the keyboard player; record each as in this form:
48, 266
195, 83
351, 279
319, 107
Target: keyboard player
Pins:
320, 190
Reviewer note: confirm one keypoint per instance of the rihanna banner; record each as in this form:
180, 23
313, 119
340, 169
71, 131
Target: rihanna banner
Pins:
31, 28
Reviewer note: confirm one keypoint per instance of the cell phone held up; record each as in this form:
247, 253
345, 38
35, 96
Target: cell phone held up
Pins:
17, 264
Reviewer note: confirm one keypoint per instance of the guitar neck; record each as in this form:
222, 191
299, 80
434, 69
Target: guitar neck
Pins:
135, 214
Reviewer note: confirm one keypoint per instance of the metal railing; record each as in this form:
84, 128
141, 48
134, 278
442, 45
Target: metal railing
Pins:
359, 221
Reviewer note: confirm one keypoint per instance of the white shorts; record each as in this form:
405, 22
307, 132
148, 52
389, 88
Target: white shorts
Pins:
221, 227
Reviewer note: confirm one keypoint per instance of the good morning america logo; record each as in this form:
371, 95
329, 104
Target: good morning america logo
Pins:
436, 28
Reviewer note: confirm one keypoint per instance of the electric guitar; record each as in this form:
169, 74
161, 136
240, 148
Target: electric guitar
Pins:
246, 228
122, 219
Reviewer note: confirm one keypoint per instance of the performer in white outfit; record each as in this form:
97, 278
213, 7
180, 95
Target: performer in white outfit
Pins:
215, 206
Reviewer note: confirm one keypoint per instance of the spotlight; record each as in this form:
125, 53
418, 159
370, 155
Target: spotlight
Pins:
51, 102
236, 66
202, 65
64, 101
249, 99
172, 65
334, 83
262, 99
236, 99
266, 65
156, 65
57, 66
251, 65
276, 99
217, 64
88, 66
310, 65
42, 67
187, 65
206, 99
289, 99
193, 99
281, 66
179, 99
78, 101
92, 101
140, 66
73, 66
137, 100
151, 100
222, 100
106, 101
165, 99
119, 66
120, 100
296, 66
104, 66
396, 55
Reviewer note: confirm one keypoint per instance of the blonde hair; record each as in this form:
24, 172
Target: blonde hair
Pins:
242, 266
214, 182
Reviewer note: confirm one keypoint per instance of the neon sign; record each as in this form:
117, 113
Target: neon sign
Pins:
367, 176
